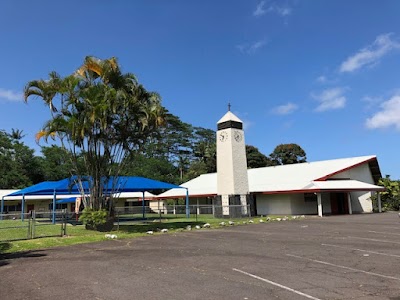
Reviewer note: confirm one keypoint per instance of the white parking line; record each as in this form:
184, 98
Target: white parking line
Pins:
344, 267
391, 227
276, 284
373, 240
362, 250
384, 232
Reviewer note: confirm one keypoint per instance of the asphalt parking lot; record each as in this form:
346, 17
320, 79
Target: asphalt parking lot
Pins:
336, 257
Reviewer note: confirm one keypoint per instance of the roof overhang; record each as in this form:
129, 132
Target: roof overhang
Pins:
331, 186
373, 166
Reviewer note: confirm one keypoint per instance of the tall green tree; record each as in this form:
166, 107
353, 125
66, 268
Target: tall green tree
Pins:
285, 154
255, 159
391, 196
158, 168
20, 166
100, 115
56, 162
16, 134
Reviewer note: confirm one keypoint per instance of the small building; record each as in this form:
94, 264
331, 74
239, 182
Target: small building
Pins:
337, 186
44, 203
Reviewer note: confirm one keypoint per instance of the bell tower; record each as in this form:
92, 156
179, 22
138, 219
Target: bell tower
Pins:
232, 180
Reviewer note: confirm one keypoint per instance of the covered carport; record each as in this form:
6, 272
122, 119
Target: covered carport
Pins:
343, 186
73, 187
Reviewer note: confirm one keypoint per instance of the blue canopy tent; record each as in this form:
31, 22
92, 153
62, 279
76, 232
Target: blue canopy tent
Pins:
111, 185
29, 191
66, 200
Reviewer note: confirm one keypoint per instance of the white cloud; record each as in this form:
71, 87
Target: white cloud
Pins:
322, 79
10, 95
285, 109
371, 101
389, 115
330, 99
260, 10
371, 54
280, 10
251, 48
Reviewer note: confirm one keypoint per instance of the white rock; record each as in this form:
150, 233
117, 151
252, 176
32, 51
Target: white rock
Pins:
207, 225
150, 232
231, 223
164, 230
198, 227
251, 221
113, 236
222, 223
188, 227
303, 216
278, 219
268, 219
107, 236
261, 221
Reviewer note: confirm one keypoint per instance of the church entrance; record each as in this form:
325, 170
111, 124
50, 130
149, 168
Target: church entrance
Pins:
339, 204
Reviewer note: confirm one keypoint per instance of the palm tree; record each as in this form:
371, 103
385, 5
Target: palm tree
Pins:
16, 134
102, 115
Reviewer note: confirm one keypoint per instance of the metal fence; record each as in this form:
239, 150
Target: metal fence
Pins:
22, 226
32, 225
137, 213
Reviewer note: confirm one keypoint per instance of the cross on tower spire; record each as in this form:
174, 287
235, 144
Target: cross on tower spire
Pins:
229, 106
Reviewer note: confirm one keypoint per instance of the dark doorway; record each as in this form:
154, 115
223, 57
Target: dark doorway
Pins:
339, 205
30, 207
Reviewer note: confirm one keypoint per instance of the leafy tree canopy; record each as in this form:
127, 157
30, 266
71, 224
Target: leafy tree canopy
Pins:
285, 154
391, 196
255, 159
20, 168
100, 115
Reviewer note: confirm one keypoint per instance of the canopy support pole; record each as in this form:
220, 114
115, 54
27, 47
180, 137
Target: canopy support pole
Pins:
23, 207
143, 208
2, 208
53, 218
187, 204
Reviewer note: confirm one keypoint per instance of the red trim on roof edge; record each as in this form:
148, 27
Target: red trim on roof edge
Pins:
345, 169
319, 191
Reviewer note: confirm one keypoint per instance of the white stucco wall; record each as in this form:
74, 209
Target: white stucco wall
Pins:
360, 201
290, 204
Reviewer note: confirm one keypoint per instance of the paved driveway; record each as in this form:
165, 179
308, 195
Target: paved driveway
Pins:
338, 257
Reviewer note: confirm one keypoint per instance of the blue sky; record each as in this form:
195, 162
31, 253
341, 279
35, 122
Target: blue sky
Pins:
322, 74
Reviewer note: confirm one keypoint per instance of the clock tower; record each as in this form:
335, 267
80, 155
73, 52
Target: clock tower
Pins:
232, 186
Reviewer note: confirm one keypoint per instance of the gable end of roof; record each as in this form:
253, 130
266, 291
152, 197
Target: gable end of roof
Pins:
372, 164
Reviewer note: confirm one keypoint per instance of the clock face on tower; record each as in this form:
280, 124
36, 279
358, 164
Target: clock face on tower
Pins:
237, 136
223, 136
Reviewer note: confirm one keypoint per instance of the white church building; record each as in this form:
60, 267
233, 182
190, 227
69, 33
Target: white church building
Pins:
338, 186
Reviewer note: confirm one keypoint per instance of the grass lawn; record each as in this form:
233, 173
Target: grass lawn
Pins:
77, 234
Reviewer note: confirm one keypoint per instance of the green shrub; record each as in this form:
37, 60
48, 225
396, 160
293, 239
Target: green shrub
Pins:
93, 218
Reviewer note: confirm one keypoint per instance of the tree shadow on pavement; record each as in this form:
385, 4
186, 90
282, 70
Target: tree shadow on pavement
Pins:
6, 257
